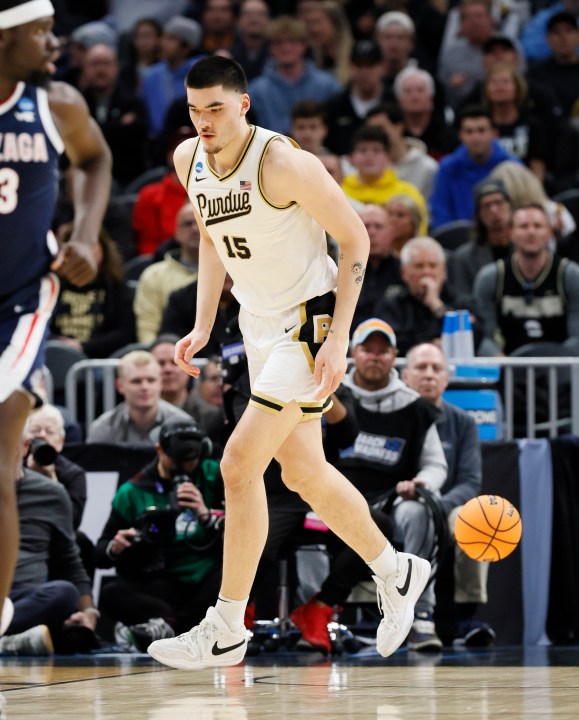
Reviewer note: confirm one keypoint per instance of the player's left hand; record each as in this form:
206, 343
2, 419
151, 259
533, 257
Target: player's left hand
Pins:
88, 620
330, 367
77, 262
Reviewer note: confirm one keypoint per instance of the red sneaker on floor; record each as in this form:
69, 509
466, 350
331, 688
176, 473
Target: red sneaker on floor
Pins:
312, 621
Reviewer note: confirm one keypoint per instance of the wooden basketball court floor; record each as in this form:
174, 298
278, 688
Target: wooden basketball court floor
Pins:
502, 682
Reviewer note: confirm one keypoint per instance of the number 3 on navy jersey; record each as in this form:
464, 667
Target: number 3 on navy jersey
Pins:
9, 181
236, 247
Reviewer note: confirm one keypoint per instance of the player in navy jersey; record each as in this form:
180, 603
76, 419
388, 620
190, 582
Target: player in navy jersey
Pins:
38, 121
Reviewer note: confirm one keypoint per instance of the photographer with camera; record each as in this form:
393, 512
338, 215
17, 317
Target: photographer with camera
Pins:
164, 538
44, 436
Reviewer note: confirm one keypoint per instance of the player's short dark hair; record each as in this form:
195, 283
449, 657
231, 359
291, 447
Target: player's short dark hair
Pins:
216, 70
370, 133
474, 111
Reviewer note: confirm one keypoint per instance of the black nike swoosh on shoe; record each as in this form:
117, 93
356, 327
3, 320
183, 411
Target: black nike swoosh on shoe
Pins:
404, 589
216, 650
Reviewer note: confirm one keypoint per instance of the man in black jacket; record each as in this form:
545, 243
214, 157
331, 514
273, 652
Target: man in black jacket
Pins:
416, 312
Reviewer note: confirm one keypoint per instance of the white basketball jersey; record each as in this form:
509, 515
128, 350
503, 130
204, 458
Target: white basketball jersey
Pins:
276, 256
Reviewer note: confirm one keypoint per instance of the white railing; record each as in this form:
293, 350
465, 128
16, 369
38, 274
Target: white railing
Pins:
96, 380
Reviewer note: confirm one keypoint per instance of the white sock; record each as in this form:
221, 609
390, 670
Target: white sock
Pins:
232, 611
386, 563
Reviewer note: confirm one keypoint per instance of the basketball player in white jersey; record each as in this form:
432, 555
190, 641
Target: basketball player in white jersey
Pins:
262, 206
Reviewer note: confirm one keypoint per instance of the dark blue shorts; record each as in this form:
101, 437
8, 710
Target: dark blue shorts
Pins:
23, 331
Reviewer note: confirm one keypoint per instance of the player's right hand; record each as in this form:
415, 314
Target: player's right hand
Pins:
187, 348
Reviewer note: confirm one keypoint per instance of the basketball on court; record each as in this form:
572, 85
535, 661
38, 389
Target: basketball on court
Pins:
488, 528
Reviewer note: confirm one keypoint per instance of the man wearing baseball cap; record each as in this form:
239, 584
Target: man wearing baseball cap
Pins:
164, 81
397, 447
491, 239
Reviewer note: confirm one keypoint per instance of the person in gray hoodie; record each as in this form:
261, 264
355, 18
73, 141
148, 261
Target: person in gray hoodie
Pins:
398, 447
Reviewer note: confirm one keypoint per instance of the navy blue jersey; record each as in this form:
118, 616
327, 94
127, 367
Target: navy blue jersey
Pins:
29, 150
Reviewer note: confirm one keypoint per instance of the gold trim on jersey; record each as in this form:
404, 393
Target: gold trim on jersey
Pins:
310, 410
241, 158
188, 180
260, 168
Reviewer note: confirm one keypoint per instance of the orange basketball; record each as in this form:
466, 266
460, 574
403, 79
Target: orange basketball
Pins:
488, 528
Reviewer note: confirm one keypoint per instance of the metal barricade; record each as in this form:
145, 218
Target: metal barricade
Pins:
96, 379
549, 366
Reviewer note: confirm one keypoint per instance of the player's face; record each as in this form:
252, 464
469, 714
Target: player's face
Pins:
426, 372
32, 52
218, 116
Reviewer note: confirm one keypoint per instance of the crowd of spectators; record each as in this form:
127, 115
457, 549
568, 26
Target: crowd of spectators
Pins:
426, 114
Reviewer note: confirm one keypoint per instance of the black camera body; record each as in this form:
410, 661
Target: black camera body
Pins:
42, 452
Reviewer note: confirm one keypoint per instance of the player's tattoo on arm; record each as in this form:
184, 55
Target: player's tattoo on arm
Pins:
358, 269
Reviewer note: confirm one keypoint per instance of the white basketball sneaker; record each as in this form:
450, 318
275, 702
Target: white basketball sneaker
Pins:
397, 596
7, 615
209, 644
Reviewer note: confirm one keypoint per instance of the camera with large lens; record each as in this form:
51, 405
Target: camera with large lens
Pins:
156, 526
42, 452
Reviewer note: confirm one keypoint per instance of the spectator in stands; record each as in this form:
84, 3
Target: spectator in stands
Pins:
157, 204
164, 81
288, 76
250, 46
347, 110
540, 100
534, 38
460, 64
181, 309
51, 591
426, 372
131, 421
414, 90
125, 15
97, 318
143, 50
167, 560
374, 180
417, 310
207, 401
560, 72
397, 447
218, 22
44, 439
159, 280
308, 126
409, 157
121, 115
330, 38
383, 269
404, 220
531, 297
82, 39
458, 173
46, 425
175, 384
491, 239
394, 34
523, 188
520, 131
